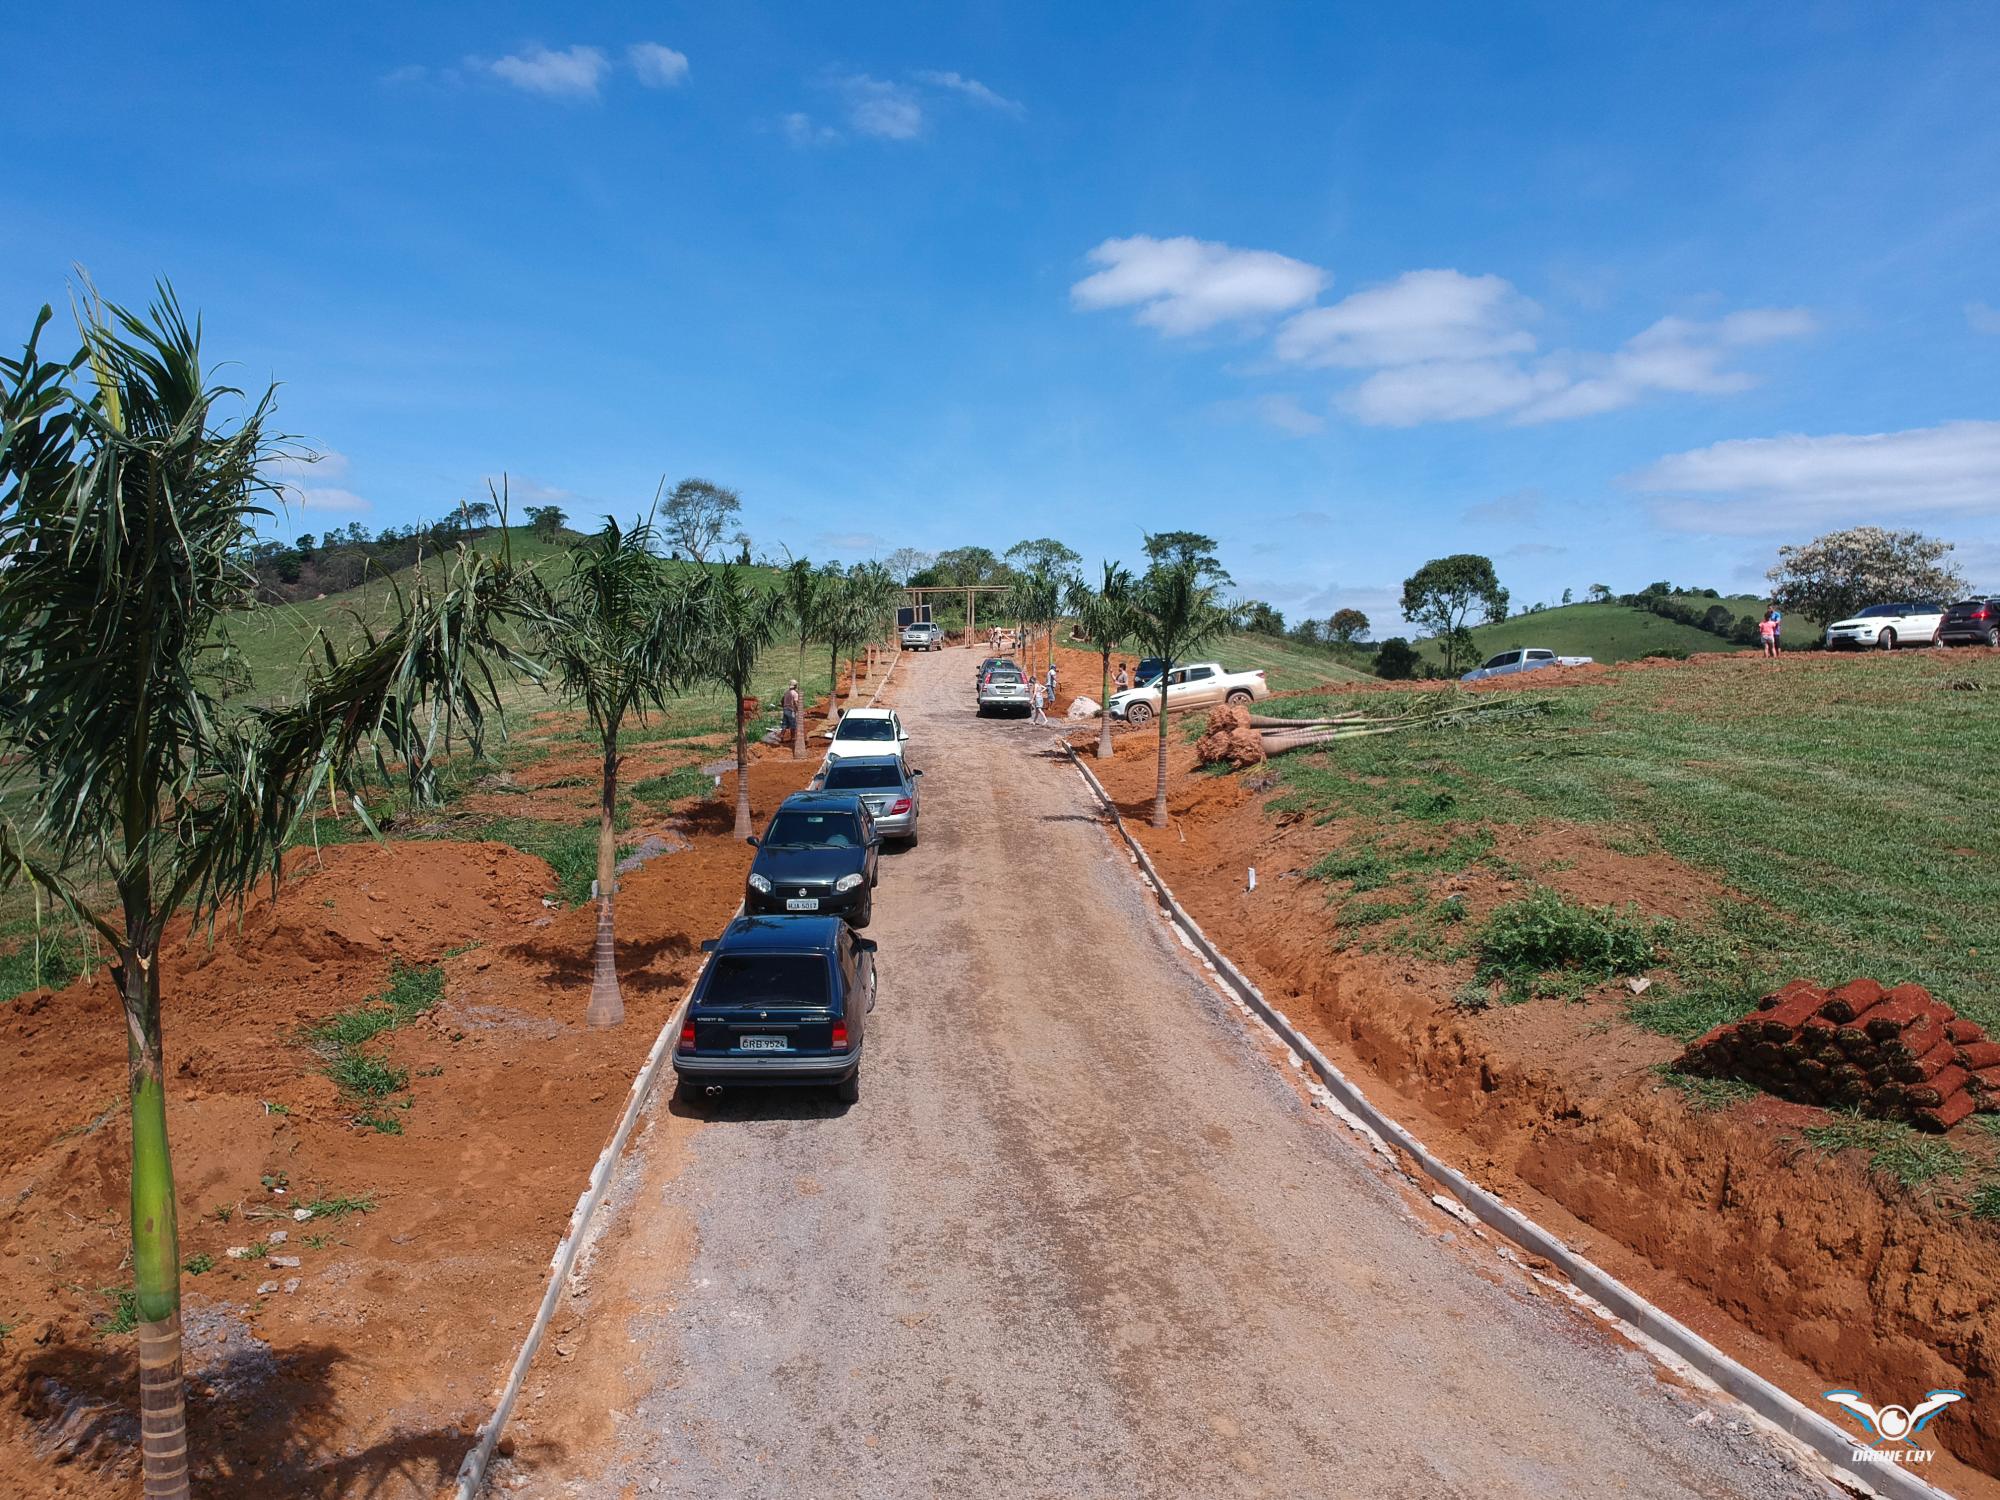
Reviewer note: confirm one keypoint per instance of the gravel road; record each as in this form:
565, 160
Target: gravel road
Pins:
1081, 1238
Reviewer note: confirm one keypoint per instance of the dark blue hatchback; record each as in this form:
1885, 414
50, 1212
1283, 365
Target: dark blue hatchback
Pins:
781, 1000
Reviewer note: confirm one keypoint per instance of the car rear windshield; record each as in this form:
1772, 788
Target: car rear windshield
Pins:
865, 729
798, 826
766, 979
1013, 677
861, 778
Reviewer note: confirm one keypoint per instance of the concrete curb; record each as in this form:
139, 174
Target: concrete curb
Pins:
1775, 1406
472, 1472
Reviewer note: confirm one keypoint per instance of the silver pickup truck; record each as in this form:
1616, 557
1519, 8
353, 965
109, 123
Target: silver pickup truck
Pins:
922, 636
1522, 659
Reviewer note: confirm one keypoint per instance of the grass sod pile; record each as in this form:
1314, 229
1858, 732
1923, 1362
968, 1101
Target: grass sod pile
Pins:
1847, 799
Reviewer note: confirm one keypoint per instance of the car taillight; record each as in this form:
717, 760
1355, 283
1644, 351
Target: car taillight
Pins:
840, 1036
687, 1035
1982, 613
900, 806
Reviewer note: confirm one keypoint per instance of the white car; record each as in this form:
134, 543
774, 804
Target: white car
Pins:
1199, 684
1887, 626
866, 731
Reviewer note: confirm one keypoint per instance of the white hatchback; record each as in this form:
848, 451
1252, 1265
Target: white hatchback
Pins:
867, 731
1887, 626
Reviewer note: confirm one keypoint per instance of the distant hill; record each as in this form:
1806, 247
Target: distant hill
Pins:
1617, 632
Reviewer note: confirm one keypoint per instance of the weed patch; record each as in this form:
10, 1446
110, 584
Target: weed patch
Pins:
124, 1314
342, 1038
52, 957
1548, 942
684, 781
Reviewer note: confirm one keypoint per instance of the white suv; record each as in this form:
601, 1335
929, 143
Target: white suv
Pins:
1887, 626
866, 731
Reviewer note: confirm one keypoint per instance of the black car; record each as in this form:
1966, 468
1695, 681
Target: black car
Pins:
1971, 622
781, 1000
818, 855
1148, 668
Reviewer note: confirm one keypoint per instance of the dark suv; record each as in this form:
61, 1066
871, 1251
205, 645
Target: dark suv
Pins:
781, 1000
819, 854
1971, 622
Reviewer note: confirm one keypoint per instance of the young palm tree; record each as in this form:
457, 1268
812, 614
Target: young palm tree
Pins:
619, 630
804, 594
1104, 614
1173, 613
125, 505
741, 621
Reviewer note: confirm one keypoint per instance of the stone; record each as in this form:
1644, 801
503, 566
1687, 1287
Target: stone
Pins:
291, 1285
283, 1262
265, 1288
277, 1236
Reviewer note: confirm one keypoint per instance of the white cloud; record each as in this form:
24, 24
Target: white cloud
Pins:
1445, 391
325, 501
972, 88
887, 111
1675, 355
1983, 317
657, 66
852, 541
1421, 315
1757, 485
1285, 414
575, 71
801, 130
1185, 285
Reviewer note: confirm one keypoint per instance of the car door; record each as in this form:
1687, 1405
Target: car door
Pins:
1201, 689
1501, 665
871, 841
1532, 659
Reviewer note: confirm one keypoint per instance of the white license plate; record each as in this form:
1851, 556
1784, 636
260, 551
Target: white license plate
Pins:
802, 903
763, 1044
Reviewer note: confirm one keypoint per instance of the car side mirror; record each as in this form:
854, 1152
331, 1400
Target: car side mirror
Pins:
902, 735
864, 945
708, 945
915, 772
751, 840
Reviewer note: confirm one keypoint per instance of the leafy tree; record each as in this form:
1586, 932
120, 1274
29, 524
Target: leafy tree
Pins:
805, 593
1104, 614
967, 565
1174, 612
547, 520
1599, 592
126, 504
742, 544
739, 622
1348, 626
1048, 554
1308, 632
1568, 597
1443, 592
697, 515
1833, 576
1396, 660
1259, 618
306, 541
1167, 547
906, 562
476, 513
620, 631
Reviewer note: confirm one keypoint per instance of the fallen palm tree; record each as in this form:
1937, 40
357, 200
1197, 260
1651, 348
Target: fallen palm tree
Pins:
1240, 738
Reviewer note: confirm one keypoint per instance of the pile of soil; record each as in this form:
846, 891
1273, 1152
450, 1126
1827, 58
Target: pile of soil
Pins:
1801, 1265
371, 1376
1893, 1054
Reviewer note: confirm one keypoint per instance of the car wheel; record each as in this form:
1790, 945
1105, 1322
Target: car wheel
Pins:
867, 913
1886, 641
911, 842
1993, 635
686, 1092
1937, 636
1240, 696
1139, 713
848, 1090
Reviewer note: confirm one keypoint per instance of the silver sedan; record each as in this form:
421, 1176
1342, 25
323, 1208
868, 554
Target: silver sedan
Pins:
886, 786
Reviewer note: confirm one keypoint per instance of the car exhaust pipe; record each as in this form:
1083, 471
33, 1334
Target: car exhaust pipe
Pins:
713, 1091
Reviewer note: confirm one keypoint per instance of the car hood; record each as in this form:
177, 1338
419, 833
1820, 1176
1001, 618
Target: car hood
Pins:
810, 863
1858, 623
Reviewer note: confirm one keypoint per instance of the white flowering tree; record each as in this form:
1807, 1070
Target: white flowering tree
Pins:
1831, 577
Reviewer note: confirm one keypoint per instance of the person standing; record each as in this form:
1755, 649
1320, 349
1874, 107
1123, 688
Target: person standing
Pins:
1777, 625
1052, 682
1767, 631
1035, 714
1123, 680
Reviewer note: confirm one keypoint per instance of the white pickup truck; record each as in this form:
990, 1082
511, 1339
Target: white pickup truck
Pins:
1198, 684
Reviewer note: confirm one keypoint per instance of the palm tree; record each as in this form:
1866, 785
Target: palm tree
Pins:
1173, 612
126, 504
741, 621
620, 630
1103, 614
804, 595
1036, 599
875, 592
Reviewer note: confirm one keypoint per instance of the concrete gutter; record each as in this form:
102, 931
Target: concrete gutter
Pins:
472, 1472
1655, 1328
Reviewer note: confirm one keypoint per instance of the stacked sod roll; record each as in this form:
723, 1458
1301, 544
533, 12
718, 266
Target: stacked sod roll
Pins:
1894, 1054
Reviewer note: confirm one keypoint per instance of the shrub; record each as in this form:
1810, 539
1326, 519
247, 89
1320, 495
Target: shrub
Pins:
1549, 934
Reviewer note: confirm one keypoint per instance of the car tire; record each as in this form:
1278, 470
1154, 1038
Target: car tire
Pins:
686, 1092
848, 1090
1140, 714
1886, 641
1240, 696
1993, 635
911, 841
867, 913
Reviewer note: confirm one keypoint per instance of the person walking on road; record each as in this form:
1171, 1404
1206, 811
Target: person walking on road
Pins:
1035, 714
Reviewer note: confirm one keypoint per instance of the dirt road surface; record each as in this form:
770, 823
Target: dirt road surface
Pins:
1080, 1237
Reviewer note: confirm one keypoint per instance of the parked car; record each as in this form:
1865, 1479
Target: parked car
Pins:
817, 855
1003, 690
1522, 659
992, 663
1200, 684
1971, 622
781, 1000
922, 636
1887, 626
886, 787
866, 731
1149, 667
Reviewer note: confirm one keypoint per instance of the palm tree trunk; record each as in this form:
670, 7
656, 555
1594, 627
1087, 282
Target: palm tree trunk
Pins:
1160, 786
742, 772
607, 1005
1104, 710
799, 719
156, 1255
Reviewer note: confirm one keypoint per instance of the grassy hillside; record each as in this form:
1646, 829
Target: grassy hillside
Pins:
1287, 665
1615, 632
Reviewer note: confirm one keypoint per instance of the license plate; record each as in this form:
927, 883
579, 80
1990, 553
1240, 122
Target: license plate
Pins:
802, 903
763, 1044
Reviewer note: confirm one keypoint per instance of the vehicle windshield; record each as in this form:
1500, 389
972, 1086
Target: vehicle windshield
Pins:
865, 729
800, 827
766, 979
849, 778
1876, 611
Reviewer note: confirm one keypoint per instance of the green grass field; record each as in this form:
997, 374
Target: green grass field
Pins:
1615, 632
1847, 801
1287, 666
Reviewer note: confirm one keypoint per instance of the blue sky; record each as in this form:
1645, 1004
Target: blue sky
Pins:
1611, 293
